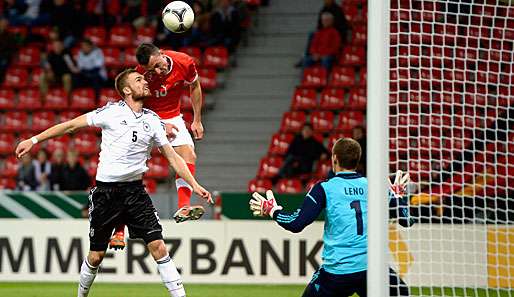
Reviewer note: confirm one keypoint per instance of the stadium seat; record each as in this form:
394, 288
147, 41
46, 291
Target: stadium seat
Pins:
42, 31
56, 99
216, 56
353, 56
61, 142
19, 31
9, 167
7, 143
322, 121
121, 36
304, 99
41, 120
157, 168
112, 57
289, 186
96, 34
314, 77
130, 57
332, 138
193, 52
332, 99
208, 78
259, 185
107, 95
292, 121
348, 120
323, 168
7, 99
280, 143
144, 34
16, 78
28, 57
29, 99
360, 36
68, 115
342, 77
363, 77
35, 77
269, 166
357, 99
7, 183
86, 143
15, 121
150, 185
83, 99
91, 166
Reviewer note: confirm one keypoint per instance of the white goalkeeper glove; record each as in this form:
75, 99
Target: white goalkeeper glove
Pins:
261, 206
399, 187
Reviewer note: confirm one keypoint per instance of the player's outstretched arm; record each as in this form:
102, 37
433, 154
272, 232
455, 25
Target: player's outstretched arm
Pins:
54, 131
196, 101
179, 165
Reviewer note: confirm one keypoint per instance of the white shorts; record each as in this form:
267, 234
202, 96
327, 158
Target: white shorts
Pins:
183, 137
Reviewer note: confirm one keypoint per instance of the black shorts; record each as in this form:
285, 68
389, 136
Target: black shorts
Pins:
324, 284
113, 204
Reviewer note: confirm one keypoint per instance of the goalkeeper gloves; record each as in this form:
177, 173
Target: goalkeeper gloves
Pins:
399, 187
262, 206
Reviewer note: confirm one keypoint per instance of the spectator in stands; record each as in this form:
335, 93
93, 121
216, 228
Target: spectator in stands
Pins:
69, 19
359, 134
225, 26
325, 44
26, 179
303, 151
340, 22
57, 68
42, 170
57, 174
75, 177
7, 45
28, 12
90, 70
200, 29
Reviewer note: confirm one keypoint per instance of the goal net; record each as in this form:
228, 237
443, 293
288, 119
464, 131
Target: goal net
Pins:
451, 114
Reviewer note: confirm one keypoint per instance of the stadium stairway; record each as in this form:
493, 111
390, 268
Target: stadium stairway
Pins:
258, 91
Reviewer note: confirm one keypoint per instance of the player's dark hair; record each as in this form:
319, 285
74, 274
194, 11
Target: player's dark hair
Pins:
144, 51
348, 153
121, 80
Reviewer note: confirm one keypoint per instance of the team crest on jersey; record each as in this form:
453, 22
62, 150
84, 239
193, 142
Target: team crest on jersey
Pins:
146, 127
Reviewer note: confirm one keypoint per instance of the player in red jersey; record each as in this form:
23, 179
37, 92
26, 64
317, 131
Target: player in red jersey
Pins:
168, 73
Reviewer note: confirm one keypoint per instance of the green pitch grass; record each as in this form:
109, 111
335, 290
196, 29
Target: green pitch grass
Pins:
157, 290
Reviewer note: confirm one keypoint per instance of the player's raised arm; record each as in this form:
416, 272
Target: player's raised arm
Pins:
196, 101
54, 131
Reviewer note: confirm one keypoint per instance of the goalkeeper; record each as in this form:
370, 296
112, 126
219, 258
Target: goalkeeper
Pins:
345, 199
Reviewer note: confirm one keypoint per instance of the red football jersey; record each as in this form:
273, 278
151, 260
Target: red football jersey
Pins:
167, 89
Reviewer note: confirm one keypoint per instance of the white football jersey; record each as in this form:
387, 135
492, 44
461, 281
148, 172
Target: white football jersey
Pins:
127, 140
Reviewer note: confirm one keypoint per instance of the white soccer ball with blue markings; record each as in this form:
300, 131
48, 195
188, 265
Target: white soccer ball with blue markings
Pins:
178, 16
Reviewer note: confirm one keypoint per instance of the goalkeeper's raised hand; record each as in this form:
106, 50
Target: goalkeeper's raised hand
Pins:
262, 206
399, 187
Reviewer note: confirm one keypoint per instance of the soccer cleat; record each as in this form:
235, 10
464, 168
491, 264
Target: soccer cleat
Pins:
186, 213
117, 241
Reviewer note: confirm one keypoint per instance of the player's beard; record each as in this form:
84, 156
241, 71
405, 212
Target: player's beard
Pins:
142, 96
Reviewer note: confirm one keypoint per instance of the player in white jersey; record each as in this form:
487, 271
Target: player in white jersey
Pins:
128, 134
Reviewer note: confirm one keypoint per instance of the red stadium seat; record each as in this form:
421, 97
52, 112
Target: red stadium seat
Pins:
96, 35
216, 56
334, 137
289, 186
7, 99
304, 99
150, 185
193, 52
9, 167
28, 57
43, 31
314, 77
342, 77
157, 168
83, 99
121, 36
357, 99
56, 99
269, 167
86, 143
112, 57
130, 57
208, 78
7, 143
68, 115
259, 185
280, 143
353, 56
108, 95
348, 120
29, 99
360, 36
144, 34
322, 121
7, 183
332, 99
292, 121
16, 78
323, 168
42, 120
20, 31
35, 77
15, 121
363, 77
91, 166
61, 142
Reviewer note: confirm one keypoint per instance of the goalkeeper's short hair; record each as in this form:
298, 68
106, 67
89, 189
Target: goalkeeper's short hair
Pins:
347, 152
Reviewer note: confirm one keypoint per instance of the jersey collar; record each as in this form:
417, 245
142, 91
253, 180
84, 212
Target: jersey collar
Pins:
348, 175
170, 63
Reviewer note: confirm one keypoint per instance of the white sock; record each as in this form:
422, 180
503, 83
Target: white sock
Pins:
87, 276
170, 277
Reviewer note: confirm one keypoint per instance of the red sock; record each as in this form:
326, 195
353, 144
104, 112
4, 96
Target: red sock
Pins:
184, 190
120, 230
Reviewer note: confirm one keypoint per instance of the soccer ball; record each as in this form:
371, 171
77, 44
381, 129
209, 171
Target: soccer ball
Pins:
178, 16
